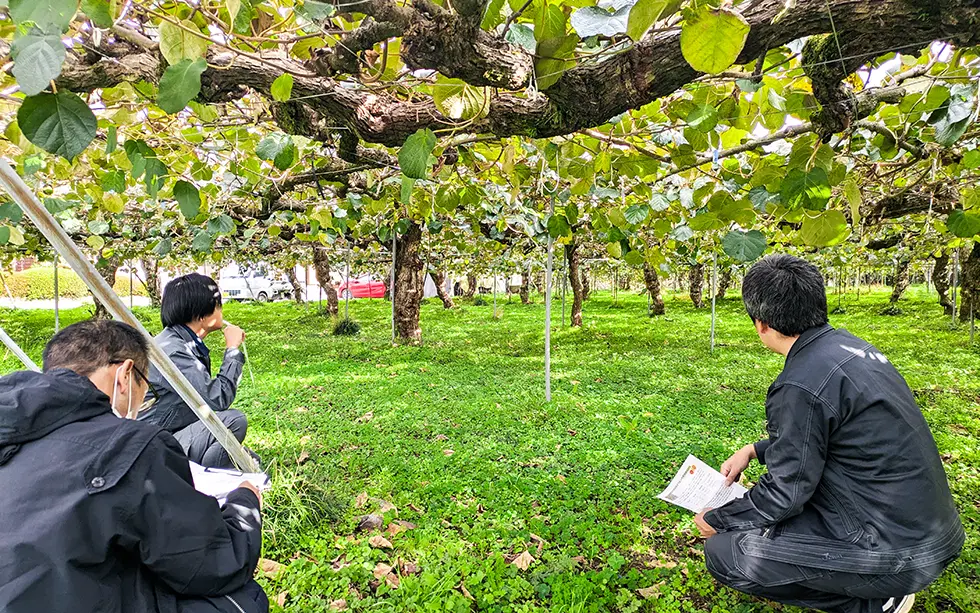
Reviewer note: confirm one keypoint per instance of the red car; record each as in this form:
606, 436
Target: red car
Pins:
362, 287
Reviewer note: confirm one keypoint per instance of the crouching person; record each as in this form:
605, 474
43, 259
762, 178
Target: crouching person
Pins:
100, 513
855, 513
190, 311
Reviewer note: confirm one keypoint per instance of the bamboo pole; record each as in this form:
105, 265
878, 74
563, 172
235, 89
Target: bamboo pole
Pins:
17, 351
63, 245
547, 311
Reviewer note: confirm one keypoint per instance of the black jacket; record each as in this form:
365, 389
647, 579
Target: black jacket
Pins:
855, 481
99, 513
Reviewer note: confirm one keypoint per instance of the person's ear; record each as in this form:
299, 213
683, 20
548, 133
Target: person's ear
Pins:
124, 377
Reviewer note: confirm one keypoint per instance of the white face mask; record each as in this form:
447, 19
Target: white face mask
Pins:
115, 387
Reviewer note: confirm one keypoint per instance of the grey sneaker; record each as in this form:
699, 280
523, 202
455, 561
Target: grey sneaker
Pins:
902, 606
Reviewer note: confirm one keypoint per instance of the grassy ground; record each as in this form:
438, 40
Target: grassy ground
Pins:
455, 438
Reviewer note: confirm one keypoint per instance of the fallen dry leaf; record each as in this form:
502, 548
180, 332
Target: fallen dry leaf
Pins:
303, 457
560, 478
338, 605
393, 581
269, 567
281, 598
664, 564
381, 570
448, 452
387, 506
304, 440
650, 592
395, 529
524, 560
414, 509
540, 541
409, 568
361, 500
573, 432
466, 592
366, 417
379, 542
579, 560
301, 409
442, 437
369, 522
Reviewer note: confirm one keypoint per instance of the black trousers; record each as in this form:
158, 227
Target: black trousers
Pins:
812, 588
201, 446
249, 599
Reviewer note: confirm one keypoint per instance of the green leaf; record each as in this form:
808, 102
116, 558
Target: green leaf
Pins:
222, 224
233, 7
415, 155
99, 12
659, 202
147, 165
550, 22
282, 87
948, 133
713, 40
4, 235
114, 181
11, 212
637, 213
37, 60
188, 198
457, 99
44, 12
810, 190
178, 43
316, 10
571, 213
58, 123
963, 224
180, 84
703, 118
615, 250
408, 184
98, 227
558, 226
277, 148
853, 194
617, 218
971, 159
552, 59
57, 205
744, 246
95, 242
163, 247
594, 21
634, 258
682, 233
522, 35
824, 229
111, 140
493, 16
643, 15
202, 242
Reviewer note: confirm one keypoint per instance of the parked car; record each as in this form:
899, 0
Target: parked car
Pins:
253, 285
366, 286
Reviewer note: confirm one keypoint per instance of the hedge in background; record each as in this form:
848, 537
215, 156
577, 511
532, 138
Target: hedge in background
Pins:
37, 283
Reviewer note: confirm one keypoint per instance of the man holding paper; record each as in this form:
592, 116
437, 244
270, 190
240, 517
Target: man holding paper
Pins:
855, 513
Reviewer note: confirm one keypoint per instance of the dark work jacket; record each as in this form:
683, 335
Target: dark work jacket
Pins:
855, 481
184, 347
100, 513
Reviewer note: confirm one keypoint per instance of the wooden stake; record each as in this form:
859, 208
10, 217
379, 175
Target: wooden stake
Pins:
17, 351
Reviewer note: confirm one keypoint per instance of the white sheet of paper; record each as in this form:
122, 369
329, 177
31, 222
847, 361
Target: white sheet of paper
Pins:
219, 482
697, 487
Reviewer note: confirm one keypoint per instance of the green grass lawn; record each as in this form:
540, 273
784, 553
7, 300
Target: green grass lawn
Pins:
455, 439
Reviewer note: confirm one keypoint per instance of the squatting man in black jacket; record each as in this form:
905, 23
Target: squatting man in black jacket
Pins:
855, 513
100, 513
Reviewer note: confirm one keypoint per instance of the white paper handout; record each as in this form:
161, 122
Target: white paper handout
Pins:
219, 482
697, 487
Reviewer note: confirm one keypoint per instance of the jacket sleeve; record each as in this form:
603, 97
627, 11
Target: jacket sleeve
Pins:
220, 391
182, 536
760, 450
799, 427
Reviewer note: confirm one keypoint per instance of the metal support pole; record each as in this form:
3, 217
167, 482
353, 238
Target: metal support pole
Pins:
564, 278
494, 277
394, 251
56, 235
714, 295
956, 267
347, 291
131, 286
57, 311
547, 312
17, 351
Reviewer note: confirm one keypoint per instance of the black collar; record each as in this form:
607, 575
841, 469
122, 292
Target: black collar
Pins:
808, 337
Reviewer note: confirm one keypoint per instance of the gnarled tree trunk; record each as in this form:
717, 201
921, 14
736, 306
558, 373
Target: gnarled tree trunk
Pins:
575, 280
586, 285
695, 278
151, 268
107, 269
970, 303
321, 264
724, 283
652, 281
940, 278
470, 286
409, 287
525, 289
901, 280
295, 284
440, 280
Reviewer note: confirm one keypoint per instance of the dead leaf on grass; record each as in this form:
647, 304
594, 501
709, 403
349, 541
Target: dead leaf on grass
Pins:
466, 592
270, 568
361, 500
303, 457
281, 599
524, 560
379, 542
304, 440
338, 605
414, 509
381, 570
393, 581
442, 437
448, 452
651, 592
394, 529
369, 522
366, 417
409, 568
560, 478
300, 409
387, 506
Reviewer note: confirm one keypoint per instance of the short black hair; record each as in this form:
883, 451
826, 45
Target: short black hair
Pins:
89, 345
188, 298
786, 293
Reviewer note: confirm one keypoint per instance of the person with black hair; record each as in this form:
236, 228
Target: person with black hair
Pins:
100, 513
855, 513
190, 311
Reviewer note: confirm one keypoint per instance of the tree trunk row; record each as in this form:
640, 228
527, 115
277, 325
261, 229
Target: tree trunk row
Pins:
151, 268
940, 279
696, 280
321, 264
970, 284
294, 282
901, 280
440, 280
572, 257
652, 281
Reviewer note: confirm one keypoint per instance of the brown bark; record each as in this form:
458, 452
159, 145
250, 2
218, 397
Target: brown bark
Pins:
586, 285
573, 258
940, 278
724, 283
652, 281
409, 286
107, 269
321, 264
901, 280
295, 284
440, 280
525, 289
695, 278
151, 268
470, 286
970, 294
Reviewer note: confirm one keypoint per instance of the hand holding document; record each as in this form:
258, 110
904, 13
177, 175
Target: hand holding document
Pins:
697, 487
219, 482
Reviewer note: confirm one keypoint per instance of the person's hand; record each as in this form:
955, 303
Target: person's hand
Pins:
734, 466
704, 527
234, 337
248, 485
